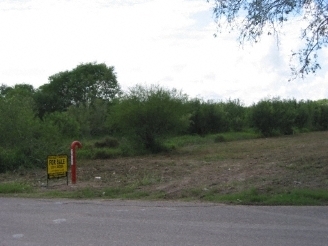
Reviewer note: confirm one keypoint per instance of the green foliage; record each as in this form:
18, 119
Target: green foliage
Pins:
274, 116
206, 117
16, 120
107, 148
320, 117
148, 115
213, 117
67, 126
283, 117
11, 159
255, 197
108, 142
91, 118
55, 96
106, 153
235, 115
23, 90
220, 138
304, 115
80, 86
24, 139
262, 117
143, 120
187, 140
14, 188
4, 90
235, 136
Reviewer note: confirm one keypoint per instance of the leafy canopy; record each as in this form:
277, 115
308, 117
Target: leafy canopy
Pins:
147, 115
83, 85
260, 14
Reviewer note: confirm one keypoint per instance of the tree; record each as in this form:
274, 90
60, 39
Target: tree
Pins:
146, 116
25, 141
4, 90
260, 14
206, 117
274, 116
18, 89
55, 96
91, 118
82, 85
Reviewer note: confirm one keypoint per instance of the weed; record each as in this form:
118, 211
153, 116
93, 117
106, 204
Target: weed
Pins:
264, 171
149, 179
108, 142
107, 154
14, 187
219, 139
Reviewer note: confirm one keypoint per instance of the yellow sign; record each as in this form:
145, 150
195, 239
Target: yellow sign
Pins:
57, 166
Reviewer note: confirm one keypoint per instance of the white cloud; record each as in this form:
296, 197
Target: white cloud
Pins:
166, 42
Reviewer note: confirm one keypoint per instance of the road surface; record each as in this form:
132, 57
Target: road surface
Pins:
106, 222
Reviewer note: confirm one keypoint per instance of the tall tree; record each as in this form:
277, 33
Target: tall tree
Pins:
18, 89
4, 90
258, 14
82, 85
147, 115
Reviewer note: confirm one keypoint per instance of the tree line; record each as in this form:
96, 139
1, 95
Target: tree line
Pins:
87, 103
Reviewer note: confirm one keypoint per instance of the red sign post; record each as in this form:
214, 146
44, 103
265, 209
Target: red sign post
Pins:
73, 159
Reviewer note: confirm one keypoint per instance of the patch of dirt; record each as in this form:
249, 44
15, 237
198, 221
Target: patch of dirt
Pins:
267, 164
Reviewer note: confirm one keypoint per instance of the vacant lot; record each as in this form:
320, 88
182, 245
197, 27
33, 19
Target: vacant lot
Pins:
267, 165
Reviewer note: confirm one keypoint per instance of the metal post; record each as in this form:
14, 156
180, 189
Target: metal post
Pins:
73, 159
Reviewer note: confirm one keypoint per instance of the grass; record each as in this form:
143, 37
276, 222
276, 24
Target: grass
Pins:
252, 196
14, 188
105, 193
92, 153
241, 168
298, 197
186, 140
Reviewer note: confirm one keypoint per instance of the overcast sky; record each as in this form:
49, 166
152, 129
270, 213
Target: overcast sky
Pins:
164, 42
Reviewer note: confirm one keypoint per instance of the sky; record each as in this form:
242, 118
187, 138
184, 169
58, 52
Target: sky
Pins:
169, 43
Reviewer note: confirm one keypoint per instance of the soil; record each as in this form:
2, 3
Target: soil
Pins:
266, 164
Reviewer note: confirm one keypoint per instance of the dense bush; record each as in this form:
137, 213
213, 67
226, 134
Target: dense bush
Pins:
274, 116
235, 116
91, 118
213, 117
320, 117
25, 141
304, 115
140, 121
147, 115
108, 142
67, 126
283, 117
206, 117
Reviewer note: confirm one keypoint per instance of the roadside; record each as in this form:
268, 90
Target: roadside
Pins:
267, 166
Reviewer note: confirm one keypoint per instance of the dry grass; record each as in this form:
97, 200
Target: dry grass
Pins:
268, 165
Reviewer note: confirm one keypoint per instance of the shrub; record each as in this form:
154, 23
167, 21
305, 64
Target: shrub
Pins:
146, 116
108, 142
206, 118
219, 139
106, 154
67, 126
274, 117
235, 115
25, 141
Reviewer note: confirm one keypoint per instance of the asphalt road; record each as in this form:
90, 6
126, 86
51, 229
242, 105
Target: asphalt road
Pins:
106, 222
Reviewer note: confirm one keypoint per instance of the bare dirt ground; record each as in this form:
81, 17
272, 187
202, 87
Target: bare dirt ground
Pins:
267, 164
